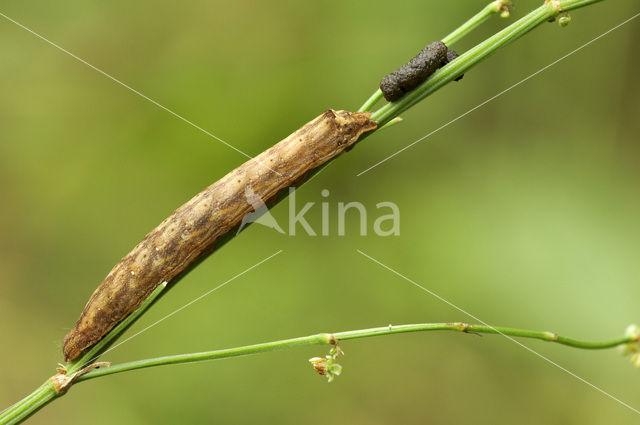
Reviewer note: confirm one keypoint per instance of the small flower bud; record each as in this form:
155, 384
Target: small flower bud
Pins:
633, 347
626, 349
320, 364
633, 331
326, 366
563, 21
333, 371
501, 6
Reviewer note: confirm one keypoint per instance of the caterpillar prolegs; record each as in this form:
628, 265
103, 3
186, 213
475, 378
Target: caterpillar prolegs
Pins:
193, 229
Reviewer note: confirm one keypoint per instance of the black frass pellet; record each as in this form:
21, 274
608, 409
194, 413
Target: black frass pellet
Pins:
418, 69
451, 55
409, 76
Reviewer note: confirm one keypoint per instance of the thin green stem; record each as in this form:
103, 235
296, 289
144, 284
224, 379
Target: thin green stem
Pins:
26, 407
319, 339
475, 55
375, 97
457, 34
477, 20
467, 328
394, 121
327, 339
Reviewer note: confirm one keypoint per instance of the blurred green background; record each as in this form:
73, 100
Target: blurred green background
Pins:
523, 213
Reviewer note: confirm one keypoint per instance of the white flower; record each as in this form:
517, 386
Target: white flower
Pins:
632, 348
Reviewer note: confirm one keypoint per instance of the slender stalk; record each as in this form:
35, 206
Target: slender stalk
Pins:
375, 97
457, 34
477, 20
329, 339
475, 55
394, 121
319, 339
26, 407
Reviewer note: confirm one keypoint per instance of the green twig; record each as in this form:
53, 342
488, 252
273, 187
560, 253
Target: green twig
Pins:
457, 34
375, 97
394, 121
477, 20
472, 57
29, 405
332, 339
47, 392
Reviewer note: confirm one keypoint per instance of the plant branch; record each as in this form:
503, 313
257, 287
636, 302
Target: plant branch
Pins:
29, 405
475, 55
333, 339
477, 20
457, 34
47, 392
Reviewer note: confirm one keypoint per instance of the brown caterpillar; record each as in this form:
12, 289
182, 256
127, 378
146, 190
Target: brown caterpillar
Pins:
193, 229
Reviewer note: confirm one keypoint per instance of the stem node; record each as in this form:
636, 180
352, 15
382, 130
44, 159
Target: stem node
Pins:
551, 336
62, 382
554, 5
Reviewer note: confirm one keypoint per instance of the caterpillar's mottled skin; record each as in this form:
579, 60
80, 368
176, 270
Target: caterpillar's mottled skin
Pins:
193, 229
410, 75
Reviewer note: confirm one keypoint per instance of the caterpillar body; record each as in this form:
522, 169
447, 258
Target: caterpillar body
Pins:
410, 75
193, 230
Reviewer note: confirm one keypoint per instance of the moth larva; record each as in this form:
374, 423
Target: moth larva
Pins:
410, 75
193, 229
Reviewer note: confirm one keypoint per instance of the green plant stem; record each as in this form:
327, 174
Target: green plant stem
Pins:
394, 121
327, 339
475, 55
29, 405
457, 34
477, 20
47, 393
375, 97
